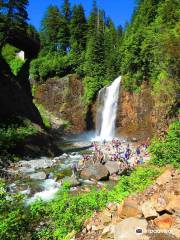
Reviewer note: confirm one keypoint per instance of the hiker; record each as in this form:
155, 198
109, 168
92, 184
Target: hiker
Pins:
74, 169
138, 152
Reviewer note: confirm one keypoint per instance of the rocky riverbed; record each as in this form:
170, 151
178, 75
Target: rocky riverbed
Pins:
101, 161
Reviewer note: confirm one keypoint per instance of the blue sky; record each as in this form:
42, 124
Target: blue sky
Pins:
119, 10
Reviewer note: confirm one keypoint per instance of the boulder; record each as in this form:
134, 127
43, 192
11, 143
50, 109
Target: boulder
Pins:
73, 181
165, 177
165, 221
97, 172
148, 210
159, 202
105, 217
112, 167
38, 176
130, 229
129, 208
174, 204
37, 163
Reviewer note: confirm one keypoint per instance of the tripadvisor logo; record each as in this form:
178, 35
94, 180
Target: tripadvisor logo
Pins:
139, 231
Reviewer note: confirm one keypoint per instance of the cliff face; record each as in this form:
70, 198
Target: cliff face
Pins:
63, 98
143, 114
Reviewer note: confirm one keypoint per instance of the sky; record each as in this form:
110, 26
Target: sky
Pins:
119, 10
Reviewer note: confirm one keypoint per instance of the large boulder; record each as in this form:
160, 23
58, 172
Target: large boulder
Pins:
165, 221
73, 181
130, 229
129, 208
148, 210
37, 163
112, 167
96, 171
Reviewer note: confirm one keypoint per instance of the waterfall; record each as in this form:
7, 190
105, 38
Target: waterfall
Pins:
107, 109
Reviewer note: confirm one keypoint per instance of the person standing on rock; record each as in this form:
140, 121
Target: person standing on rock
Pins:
74, 169
138, 152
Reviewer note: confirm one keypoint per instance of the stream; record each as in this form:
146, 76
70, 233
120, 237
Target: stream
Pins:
42, 177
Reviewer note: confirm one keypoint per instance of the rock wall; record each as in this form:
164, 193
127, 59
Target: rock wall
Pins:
143, 114
63, 98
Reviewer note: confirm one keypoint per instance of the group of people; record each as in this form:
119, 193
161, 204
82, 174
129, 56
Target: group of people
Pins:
114, 150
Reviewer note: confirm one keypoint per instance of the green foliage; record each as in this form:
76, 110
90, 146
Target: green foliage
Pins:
50, 65
9, 53
14, 220
10, 134
138, 180
167, 151
150, 44
55, 31
91, 86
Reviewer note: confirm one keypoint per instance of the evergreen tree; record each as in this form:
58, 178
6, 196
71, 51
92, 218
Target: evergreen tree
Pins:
13, 16
50, 29
78, 27
111, 51
92, 20
78, 30
65, 30
66, 10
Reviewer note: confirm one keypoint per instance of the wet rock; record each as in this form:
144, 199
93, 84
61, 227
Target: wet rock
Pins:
112, 167
38, 176
36, 164
73, 181
97, 172
126, 229
148, 210
165, 221
62, 157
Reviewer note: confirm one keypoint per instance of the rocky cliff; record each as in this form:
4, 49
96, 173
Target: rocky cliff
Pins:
63, 98
142, 114
139, 114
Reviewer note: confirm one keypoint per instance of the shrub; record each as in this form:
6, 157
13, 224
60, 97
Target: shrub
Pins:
10, 134
50, 65
14, 220
167, 151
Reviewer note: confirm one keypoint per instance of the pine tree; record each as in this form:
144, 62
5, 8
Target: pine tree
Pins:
13, 16
65, 23
93, 19
50, 29
111, 51
66, 10
78, 26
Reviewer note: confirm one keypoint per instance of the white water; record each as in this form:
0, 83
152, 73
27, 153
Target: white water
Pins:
107, 119
50, 189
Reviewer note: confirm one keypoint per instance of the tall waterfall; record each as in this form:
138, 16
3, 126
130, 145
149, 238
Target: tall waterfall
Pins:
107, 109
